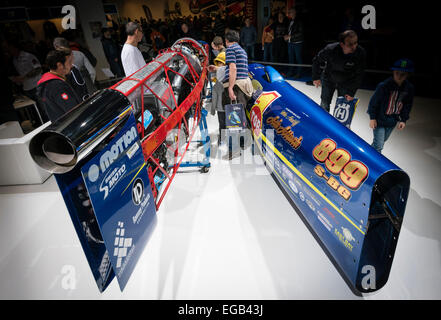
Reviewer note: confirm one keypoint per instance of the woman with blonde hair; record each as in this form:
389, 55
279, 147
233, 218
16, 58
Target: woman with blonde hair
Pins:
267, 40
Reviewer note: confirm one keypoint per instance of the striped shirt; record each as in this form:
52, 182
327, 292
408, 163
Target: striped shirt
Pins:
235, 54
395, 103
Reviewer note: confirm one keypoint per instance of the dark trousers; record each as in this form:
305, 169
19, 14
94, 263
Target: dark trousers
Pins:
295, 57
116, 68
328, 88
221, 119
268, 52
280, 50
250, 51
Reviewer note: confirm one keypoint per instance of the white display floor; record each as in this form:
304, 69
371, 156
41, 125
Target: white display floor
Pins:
230, 233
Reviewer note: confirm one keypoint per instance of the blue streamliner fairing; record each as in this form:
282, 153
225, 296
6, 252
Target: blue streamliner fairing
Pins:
115, 155
352, 197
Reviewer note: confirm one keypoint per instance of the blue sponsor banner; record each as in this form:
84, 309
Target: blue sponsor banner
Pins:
81, 212
124, 206
344, 110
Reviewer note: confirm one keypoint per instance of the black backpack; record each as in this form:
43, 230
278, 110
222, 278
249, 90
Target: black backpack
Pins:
89, 56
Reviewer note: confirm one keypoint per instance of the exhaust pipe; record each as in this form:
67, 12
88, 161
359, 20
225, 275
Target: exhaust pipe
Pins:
72, 137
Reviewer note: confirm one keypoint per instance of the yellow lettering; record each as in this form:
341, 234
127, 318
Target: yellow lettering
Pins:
274, 122
344, 192
279, 130
342, 239
338, 162
333, 183
354, 174
286, 132
319, 170
322, 150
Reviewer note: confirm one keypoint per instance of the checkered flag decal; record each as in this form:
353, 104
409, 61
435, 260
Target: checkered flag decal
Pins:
121, 244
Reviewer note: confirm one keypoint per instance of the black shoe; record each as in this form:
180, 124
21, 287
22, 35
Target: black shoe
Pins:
232, 154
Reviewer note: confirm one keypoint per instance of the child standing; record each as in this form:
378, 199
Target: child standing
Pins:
391, 103
218, 89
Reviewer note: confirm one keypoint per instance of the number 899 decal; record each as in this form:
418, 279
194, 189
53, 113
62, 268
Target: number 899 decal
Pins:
352, 173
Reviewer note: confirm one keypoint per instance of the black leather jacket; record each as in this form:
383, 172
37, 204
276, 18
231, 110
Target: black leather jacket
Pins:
344, 70
296, 29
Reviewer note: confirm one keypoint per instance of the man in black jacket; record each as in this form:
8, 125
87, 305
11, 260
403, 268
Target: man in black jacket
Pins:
280, 28
295, 43
56, 93
112, 52
340, 66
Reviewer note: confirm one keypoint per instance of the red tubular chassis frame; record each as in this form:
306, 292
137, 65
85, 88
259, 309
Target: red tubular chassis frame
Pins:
190, 107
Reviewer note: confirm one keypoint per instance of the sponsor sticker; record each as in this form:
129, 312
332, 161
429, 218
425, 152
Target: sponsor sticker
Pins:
345, 237
324, 221
264, 100
310, 205
132, 150
293, 187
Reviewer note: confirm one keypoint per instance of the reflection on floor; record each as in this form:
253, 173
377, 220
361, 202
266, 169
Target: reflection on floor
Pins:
229, 233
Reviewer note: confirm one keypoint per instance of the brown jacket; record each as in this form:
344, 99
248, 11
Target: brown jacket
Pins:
267, 35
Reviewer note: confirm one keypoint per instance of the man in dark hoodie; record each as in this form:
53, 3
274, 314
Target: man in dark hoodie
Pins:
112, 52
391, 103
340, 65
74, 77
56, 93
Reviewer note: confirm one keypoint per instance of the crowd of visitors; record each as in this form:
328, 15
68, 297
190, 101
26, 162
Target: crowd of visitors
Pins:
68, 67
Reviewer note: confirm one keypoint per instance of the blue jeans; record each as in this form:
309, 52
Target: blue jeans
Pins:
381, 134
295, 56
268, 52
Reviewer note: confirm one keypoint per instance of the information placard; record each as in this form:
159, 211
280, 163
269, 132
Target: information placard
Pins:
119, 189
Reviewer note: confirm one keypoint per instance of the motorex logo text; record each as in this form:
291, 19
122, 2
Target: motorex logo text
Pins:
112, 154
